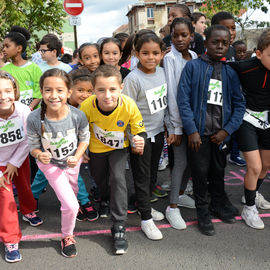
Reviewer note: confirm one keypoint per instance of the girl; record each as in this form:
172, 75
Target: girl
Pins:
111, 53
147, 86
182, 32
199, 22
254, 133
26, 73
89, 56
58, 136
14, 165
81, 89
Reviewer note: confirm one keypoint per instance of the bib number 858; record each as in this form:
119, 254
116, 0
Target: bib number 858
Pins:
11, 136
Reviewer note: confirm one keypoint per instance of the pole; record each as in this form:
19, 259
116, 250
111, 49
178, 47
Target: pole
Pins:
75, 37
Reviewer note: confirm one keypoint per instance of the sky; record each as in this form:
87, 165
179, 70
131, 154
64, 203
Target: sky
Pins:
101, 17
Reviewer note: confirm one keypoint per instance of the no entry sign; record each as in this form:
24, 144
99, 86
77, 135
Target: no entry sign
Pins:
73, 7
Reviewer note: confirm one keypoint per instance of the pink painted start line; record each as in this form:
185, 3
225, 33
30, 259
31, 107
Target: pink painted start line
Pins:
129, 229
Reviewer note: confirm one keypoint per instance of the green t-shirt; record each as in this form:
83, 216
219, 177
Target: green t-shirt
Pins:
27, 77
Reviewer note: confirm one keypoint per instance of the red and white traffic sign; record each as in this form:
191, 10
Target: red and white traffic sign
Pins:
73, 7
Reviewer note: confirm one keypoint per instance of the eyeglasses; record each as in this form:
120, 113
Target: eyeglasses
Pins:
43, 51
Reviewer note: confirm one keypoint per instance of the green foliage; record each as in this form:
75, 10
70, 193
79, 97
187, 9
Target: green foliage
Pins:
34, 15
235, 7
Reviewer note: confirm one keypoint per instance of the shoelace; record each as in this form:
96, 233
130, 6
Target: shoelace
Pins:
11, 247
31, 215
69, 240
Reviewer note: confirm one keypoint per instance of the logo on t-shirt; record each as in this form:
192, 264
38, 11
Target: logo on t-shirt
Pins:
120, 123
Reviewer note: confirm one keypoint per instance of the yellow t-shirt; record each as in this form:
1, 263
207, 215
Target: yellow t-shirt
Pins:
108, 132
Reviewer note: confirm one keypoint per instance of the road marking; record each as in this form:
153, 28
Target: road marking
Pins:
129, 229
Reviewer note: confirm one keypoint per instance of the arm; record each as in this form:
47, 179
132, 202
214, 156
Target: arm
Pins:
131, 87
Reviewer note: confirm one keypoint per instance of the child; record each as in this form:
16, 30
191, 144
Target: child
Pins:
111, 53
240, 49
58, 135
182, 11
211, 107
181, 32
199, 22
109, 113
147, 86
89, 56
253, 135
81, 89
50, 49
26, 73
14, 167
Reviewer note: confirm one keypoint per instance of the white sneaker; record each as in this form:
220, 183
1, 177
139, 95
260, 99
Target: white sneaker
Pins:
151, 230
260, 201
175, 219
251, 216
156, 215
186, 201
189, 188
166, 185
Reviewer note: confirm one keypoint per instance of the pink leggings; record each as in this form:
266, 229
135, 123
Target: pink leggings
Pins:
65, 185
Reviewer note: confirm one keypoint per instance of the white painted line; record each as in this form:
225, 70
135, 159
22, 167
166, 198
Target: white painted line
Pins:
72, 5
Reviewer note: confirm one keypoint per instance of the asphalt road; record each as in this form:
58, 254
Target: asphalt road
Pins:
233, 247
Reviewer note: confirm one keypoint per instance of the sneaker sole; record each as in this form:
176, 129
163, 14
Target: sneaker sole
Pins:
66, 256
120, 251
161, 196
12, 261
154, 200
186, 206
132, 211
32, 224
93, 219
235, 163
104, 216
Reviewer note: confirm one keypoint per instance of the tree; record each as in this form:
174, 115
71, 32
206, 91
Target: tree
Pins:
237, 8
34, 15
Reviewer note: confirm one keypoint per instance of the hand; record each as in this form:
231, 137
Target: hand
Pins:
171, 139
139, 145
194, 141
72, 161
219, 137
44, 157
3, 180
10, 171
85, 158
178, 140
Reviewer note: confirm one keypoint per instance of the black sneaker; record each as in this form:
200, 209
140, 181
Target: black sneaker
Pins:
120, 242
104, 210
90, 212
81, 216
206, 226
222, 214
68, 247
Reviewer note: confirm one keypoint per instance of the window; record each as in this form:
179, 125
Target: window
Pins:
150, 13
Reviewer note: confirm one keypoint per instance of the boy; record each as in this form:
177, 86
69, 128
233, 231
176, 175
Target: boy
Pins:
227, 19
211, 107
253, 135
240, 49
50, 48
109, 113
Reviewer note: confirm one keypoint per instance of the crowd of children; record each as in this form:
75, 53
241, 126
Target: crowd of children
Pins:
196, 88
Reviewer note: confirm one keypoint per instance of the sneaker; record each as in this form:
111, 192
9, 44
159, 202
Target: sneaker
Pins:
104, 210
237, 161
186, 201
151, 230
81, 216
12, 253
166, 185
159, 192
163, 163
251, 216
68, 247
153, 198
156, 215
132, 208
260, 201
90, 212
120, 242
189, 188
33, 219
175, 219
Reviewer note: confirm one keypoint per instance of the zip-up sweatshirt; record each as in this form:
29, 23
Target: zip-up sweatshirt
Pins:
255, 80
193, 94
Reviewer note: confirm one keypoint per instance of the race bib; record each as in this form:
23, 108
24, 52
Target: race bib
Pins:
113, 139
257, 119
157, 98
26, 97
215, 92
61, 146
11, 132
